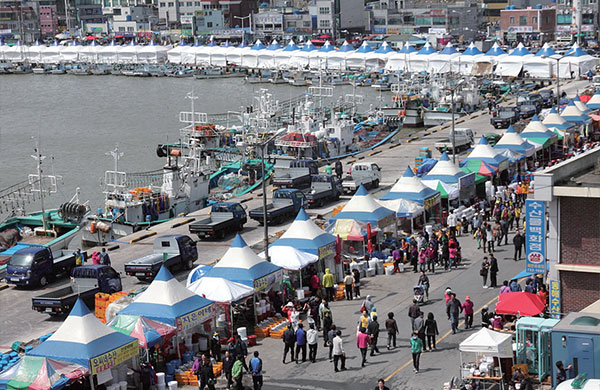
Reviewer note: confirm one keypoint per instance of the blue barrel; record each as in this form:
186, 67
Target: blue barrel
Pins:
170, 368
169, 378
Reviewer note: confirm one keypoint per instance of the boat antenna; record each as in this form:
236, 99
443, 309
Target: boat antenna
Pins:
116, 155
192, 97
39, 158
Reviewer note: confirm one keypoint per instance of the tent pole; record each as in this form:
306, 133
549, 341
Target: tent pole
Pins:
92, 381
147, 355
178, 351
254, 308
231, 317
300, 272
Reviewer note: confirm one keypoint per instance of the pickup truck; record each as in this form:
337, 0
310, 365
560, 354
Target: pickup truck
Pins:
86, 281
224, 217
36, 265
527, 111
324, 188
463, 140
363, 173
285, 205
297, 176
506, 116
172, 251
548, 97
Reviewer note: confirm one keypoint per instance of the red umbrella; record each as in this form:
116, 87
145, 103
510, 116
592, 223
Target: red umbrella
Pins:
325, 36
338, 250
119, 36
91, 37
585, 98
520, 303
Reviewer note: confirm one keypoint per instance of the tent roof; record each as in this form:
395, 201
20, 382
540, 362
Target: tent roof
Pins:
426, 50
220, 289
346, 47
581, 105
449, 49
384, 48
554, 120
407, 48
165, 300
495, 51
571, 113
40, 373
447, 191
576, 51
274, 45
546, 50
472, 50
290, 258
327, 47
484, 152
305, 235
291, 46
488, 341
511, 140
537, 132
594, 102
258, 45
308, 46
240, 264
411, 188
364, 48
80, 338
445, 171
364, 208
520, 51
403, 208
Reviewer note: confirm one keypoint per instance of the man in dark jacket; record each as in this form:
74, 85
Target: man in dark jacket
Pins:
373, 331
453, 309
289, 341
413, 312
228, 361
242, 350
392, 328
493, 270
204, 372
327, 323
518, 241
215, 347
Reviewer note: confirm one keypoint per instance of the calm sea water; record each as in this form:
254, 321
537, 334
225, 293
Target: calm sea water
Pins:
80, 118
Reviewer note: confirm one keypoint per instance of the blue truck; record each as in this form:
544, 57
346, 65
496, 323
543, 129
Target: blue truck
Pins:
86, 281
224, 217
323, 189
37, 265
298, 175
176, 250
285, 205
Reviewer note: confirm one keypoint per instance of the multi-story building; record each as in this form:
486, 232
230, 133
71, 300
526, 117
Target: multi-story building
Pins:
298, 23
131, 18
571, 191
269, 22
48, 20
208, 21
20, 19
530, 23
566, 21
492, 8
280, 21
171, 12
333, 16
89, 12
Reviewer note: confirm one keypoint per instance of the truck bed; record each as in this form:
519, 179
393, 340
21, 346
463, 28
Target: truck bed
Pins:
62, 300
149, 259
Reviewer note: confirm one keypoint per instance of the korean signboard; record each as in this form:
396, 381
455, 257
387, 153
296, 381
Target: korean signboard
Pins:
113, 358
195, 318
467, 181
535, 236
554, 300
520, 29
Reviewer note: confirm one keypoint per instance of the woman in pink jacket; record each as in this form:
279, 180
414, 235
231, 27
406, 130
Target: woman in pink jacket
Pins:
422, 259
362, 342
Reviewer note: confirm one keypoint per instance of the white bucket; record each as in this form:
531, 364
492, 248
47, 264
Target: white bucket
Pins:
371, 272
300, 294
401, 267
389, 270
203, 344
379, 267
123, 385
243, 333
160, 378
172, 385
161, 386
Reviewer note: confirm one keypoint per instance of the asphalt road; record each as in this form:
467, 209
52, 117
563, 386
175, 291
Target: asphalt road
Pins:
19, 322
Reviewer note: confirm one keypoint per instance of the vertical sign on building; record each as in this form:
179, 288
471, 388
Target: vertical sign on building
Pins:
554, 300
535, 236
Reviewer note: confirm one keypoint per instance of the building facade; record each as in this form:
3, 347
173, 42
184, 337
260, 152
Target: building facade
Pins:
48, 20
334, 16
532, 23
21, 20
571, 191
174, 13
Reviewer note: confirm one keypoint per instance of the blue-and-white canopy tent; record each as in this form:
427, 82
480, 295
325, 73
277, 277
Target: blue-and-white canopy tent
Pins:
537, 133
594, 102
364, 208
571, 113
581, 105
578, 61
444, 177
420, 61
301, 59
84, 340
410, 187
442, 62
512, 64
240, 264
377, 59
336, 59
399, 61
511, 140
166, 300
358, 59
467, 58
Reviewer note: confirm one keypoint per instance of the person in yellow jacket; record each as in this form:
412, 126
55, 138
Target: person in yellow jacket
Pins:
328, 282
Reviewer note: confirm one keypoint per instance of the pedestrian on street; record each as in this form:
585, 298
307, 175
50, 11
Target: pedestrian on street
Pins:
338, 169
392, 329
79, 257
453, 309
203, 369
486, 317
256, 366
362, 342
329, 342
328, 282
416, 346
367, 304
467, 307
289, 342
422, 260
419, 327
515, 286
493, 271
489, 236
373, 330
315, 284
356, 275
381, 385
300, 343
396, 256
504, 288
327, 321
485, 266
241, 350
414, 256
312, 338
338, 352
424, 281
518, 241
431, 331
364, 320
238, 373
215, 346
228, 361
348, 285
413, 312
104, 257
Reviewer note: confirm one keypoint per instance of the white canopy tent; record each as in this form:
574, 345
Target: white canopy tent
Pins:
420, 61
89, 53
487, 342
127, 54
512, 64
108, 54
152, 54
442, 62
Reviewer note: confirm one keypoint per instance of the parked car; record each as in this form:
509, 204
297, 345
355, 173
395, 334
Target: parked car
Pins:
224, 217
37, 265
505, 116
284, 206
367, 174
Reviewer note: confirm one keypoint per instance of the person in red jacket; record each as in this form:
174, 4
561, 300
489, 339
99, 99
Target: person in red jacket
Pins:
468, 310
362, 342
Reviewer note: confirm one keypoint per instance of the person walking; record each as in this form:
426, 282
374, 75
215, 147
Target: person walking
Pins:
328, 282
362, 342
237, 372
203, 369
419, 327
215, 346
338, 352
453, 308
493, 271
467, 307
228, 361
338, 169
416, 346
329, 343
518, 241
356, 275
326, 322
485, 266
505, 288
413, 312
367, 305
381, 385
104, 257
431, 331
256, 366
348, 285
424, 281
312, 338
392, 330
413, 253
289, 342
315, 284
373, 330
489, 237
300, 343
515, 286
79, 257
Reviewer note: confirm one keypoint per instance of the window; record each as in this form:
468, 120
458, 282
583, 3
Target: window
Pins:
324, 23
307, 24
522, 20
209, 24
291, 24
534, 20
171, 4
324, 10
511, 20
189, 4
197, 4
130, 29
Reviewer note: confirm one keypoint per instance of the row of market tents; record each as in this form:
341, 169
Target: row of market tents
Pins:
542, 64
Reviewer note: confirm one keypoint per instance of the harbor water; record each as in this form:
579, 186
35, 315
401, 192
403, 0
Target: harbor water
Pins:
78, 119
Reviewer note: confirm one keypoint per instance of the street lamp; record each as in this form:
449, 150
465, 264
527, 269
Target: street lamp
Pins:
452, 91
557, 58
242, 18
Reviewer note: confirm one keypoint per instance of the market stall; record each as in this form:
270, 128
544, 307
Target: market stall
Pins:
410, 214
572, 113
304, 244
516, 149
41, 373
520, 303
148, 332
493, 355
512, 64
594, 102
82, 339
484, 160
449, 180
556, 123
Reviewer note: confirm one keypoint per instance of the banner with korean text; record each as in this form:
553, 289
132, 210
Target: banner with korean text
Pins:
535, 236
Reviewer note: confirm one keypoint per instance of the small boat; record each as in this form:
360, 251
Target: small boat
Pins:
79, 70
181, 73
40, 70
156, 71
100, 70
57, 69
21, 69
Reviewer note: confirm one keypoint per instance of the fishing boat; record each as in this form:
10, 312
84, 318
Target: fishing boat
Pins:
40, 70
100, 70
219, 73
238, 178
58, 69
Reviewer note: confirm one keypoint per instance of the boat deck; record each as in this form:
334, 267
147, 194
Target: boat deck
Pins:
37, 240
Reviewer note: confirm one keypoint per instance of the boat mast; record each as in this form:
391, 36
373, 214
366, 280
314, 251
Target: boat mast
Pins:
39, 158
116, 156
